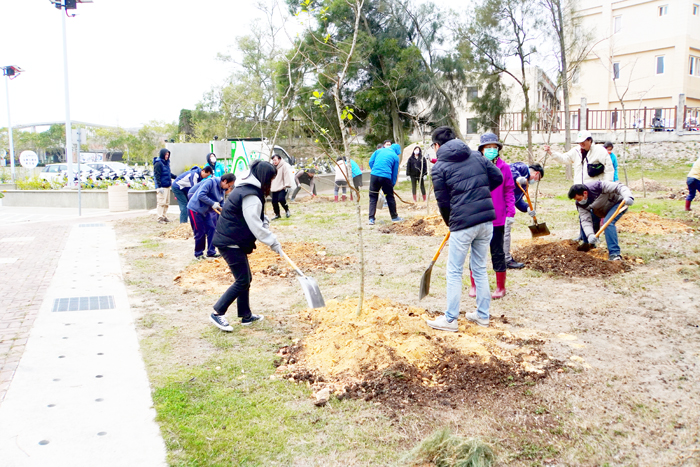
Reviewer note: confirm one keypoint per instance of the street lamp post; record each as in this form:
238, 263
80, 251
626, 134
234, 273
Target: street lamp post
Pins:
10, 72
67, 5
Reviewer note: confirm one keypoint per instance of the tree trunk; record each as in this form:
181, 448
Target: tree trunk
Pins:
397, 127
528, 121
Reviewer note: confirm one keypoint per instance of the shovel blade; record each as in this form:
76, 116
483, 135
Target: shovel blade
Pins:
425, 282
538, 230
312, 292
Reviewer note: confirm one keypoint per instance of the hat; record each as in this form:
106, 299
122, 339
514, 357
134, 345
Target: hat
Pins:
489, 138
583, 136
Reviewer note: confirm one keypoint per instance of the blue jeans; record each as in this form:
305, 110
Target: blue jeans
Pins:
181, 197
693, 186
610, 231
478, 238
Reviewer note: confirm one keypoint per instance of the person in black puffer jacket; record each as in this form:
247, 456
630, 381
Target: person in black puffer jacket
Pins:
463, 181
416, 169
163, 179
242, 222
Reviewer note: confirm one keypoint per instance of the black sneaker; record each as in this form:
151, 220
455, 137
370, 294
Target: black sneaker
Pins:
215, 255
276, 217
251, 320
220, 322
288, 214
199, 258
615, 258
512, 264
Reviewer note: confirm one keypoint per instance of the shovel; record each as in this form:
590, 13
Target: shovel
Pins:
537, 230
588, 246
425, 280
308, 285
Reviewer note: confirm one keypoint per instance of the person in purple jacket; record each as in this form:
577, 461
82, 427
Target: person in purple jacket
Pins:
504, 204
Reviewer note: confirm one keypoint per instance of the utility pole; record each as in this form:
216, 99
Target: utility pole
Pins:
10, 72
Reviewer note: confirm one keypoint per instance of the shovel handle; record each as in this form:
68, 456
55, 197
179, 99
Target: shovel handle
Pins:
529, 203
218, 211
303, 188
291, 263
442, 245
620, 209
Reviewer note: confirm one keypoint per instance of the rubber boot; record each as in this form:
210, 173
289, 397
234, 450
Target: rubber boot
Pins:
687, 205
414, 199
500, 285
423, 197
472, 289
345, 198
351, 196
336, 198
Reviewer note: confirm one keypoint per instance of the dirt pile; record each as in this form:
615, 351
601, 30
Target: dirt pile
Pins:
651, 185
561, 258
309, 257
679, 193
647, 223
181, 232
418, 226
390, 354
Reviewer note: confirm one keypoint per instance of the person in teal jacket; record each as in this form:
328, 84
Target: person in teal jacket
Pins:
609, 147
384, 164
217, 167
356, 176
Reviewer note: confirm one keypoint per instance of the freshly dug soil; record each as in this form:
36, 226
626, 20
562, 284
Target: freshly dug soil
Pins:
390, 354
561, 258
418, 226
650, 224
181, 232
308, 257
679, 194
651, 185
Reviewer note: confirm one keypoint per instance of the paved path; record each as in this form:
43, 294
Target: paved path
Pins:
75, 388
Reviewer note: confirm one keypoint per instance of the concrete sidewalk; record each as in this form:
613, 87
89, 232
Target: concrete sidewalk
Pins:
80, 395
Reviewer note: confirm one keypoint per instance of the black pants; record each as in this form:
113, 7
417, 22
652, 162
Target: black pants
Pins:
279, 197
383, 183
498, 255
414, 182
240, 289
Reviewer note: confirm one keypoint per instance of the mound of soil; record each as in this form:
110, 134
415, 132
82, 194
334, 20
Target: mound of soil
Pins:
651, 185
308, 257
650, 224
680, 193
390, 354
561, 258
181, 232
418, 226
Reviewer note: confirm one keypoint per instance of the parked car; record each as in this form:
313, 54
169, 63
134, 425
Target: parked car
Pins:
53, 171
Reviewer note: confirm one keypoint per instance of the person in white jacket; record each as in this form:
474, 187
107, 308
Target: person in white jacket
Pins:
591, 161
341, 177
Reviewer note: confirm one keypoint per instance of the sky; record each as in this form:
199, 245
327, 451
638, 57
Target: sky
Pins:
129, 61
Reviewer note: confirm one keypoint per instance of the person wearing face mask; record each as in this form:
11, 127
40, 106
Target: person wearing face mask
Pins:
416, 168
523, 174
596, 203
591, 161
504, 205
282, 182
216, 167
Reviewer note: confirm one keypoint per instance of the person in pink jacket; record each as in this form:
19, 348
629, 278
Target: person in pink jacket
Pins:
504, 204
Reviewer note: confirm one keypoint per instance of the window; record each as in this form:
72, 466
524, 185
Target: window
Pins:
617, 24
694, 68
616, 70
696, 9
471, 126
576, 77
660, 65
663, 10
472, 93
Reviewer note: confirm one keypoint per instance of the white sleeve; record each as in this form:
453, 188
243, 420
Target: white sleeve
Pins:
565, 158
252, 208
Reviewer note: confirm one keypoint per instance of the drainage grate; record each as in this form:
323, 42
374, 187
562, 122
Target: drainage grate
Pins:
92, 225
103, 302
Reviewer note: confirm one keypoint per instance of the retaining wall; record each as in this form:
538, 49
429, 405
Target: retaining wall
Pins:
90, 199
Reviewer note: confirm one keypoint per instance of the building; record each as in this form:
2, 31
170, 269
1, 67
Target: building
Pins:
647, 55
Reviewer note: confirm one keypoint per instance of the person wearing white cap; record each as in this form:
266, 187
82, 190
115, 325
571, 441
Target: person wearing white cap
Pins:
591, 161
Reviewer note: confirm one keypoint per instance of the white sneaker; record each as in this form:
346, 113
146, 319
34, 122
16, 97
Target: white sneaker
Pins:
442, 324
481, 322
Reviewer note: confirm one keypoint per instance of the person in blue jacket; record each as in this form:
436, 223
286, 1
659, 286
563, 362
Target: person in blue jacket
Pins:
523, 175
163, 179
609, 147
356, 176
204, 207
182, 185
384, 165
217, 167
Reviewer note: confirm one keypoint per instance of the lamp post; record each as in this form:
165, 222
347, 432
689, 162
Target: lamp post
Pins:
67, 5
10, 72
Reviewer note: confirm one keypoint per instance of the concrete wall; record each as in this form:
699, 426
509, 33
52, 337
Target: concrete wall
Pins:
90, 199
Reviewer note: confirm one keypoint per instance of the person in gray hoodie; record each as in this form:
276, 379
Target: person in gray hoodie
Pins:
242, 223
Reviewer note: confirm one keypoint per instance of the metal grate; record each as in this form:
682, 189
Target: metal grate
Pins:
92, 225
103, 302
